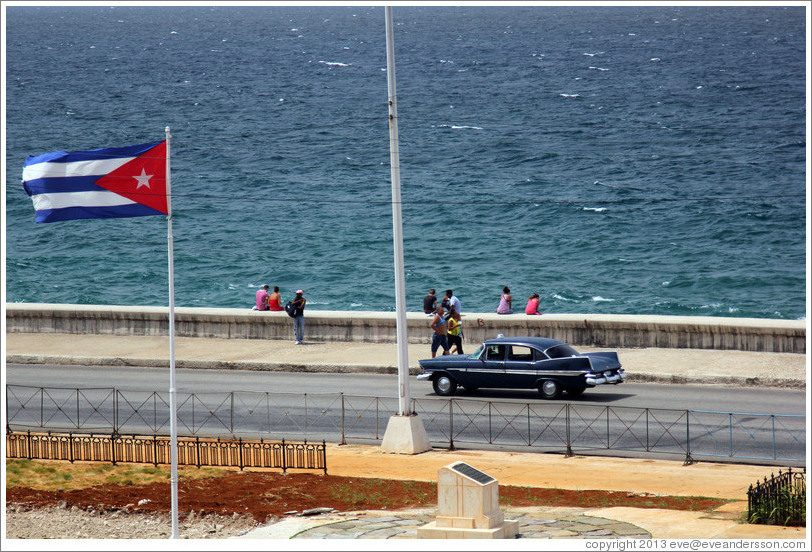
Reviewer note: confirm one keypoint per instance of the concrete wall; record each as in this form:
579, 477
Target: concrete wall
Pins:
610, 331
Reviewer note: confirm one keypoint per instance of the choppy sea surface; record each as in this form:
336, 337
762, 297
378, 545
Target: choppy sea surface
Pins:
619, 160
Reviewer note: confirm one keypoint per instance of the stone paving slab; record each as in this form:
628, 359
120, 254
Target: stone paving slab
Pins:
534, 523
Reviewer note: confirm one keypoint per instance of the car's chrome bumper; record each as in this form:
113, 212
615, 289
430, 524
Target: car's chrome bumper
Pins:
595, 379
424, 376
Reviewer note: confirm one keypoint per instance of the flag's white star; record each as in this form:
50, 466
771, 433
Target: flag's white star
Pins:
143, 179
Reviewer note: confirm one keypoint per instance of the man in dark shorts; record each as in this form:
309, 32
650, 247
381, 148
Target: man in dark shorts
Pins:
429, 302
440, 337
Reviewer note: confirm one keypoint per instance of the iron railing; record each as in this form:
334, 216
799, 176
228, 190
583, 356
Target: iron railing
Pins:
548, 426
155, 449
780, 500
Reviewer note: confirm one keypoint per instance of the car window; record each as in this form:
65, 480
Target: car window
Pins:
561, 351
520, 353
495, 352
539, 355
476, 354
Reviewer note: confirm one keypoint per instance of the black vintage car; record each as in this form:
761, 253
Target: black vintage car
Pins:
549, 365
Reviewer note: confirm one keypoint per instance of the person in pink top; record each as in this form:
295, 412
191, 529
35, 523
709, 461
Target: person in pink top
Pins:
532, 305
262, 298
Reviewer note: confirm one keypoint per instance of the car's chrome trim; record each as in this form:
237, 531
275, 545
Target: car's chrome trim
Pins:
423, 376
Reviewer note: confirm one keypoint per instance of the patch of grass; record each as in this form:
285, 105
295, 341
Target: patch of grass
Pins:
52, 475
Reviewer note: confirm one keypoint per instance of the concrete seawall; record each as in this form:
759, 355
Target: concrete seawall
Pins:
591, 330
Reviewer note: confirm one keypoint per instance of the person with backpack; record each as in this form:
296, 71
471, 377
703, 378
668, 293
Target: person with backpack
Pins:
296, 311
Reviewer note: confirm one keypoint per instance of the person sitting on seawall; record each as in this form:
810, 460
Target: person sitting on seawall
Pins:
262, 299
430, 302
532, 305
274, 299
505, 302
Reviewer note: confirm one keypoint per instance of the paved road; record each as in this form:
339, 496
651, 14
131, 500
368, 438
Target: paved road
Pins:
664, 396
636, 419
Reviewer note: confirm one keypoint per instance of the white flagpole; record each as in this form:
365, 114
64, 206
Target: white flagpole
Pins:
173, 426
397, 223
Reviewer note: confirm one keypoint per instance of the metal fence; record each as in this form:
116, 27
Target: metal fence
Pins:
155, 449
548, 426
780, 500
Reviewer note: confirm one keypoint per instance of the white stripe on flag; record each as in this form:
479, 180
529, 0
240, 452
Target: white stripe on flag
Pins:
78, 199
77, 168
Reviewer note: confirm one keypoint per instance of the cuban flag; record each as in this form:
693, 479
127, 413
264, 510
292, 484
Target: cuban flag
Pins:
100, 183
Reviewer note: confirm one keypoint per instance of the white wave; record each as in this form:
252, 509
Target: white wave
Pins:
560, 298
595, 209
666, 283
570, 95
335, 63
461, 127
592, 54
599, 299
598, 68
356, 304
655, 59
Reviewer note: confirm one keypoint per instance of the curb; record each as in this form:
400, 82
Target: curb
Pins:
637, 377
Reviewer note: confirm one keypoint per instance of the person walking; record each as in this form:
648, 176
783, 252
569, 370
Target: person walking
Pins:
455, 333
505, 302
298, 316
262, 298
440, 337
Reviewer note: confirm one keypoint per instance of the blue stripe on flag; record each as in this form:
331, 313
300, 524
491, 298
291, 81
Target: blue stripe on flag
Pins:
89, 155
63, 184
119, 211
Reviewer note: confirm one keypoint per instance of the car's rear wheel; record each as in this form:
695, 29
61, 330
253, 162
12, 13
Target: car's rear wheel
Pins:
550, 389
444, 385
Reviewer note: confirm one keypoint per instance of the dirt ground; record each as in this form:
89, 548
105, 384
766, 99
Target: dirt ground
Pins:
265, 496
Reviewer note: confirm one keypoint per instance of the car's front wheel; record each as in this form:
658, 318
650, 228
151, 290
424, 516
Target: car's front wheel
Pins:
444, 385
550, 389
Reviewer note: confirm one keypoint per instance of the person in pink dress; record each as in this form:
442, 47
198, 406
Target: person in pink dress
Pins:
532, 305
505, 302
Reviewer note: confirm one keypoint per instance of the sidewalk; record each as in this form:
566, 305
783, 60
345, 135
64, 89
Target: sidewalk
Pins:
728, 481
642, 365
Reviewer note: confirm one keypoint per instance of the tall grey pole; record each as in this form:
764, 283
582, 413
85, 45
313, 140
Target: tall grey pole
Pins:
397, 224
173, 426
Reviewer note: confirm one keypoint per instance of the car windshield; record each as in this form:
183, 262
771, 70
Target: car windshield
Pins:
477, 353
561, 351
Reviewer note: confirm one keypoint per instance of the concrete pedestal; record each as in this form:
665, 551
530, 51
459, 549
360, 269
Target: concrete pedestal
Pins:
468, 507
405, 435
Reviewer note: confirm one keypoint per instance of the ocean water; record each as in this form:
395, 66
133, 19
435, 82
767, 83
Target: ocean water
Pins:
619, 160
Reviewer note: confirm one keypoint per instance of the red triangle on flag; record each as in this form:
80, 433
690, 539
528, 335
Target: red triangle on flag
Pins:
142, 180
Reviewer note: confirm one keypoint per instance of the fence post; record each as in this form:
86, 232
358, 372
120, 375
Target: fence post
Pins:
113, 448
490, 428
568, 430
284, 458
197, 451
78, 414
324, 455
688, 459
241, 459
70, 444
154, 449
29, 444
343, 433
450, 424
231, 414
648, 443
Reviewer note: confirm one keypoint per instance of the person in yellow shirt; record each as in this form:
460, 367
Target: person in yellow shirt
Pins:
455, 332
